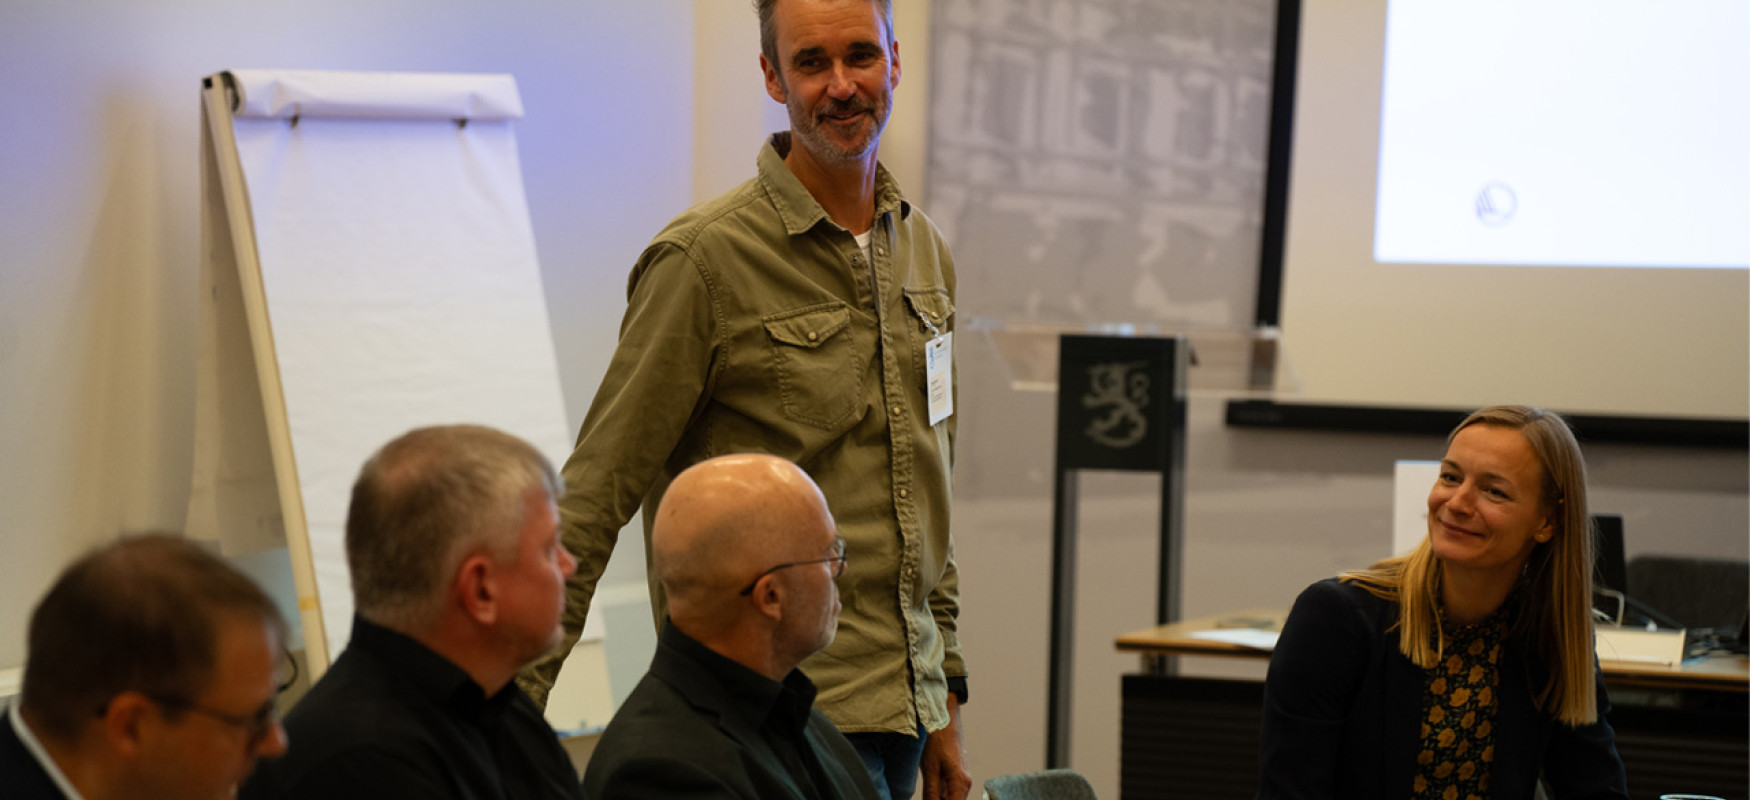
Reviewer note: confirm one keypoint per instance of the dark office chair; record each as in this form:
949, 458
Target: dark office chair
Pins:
1051, 784
1694, 592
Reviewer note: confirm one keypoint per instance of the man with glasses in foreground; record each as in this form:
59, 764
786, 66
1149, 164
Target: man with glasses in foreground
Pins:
458, 579
748, 555
151, 672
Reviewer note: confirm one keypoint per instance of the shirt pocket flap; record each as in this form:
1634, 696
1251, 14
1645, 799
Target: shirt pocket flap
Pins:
931, 306
808, 327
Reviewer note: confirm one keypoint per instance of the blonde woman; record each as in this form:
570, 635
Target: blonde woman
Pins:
1464, 669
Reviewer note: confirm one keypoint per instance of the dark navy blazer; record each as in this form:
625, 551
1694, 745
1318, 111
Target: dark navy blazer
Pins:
21, 777
1343, 713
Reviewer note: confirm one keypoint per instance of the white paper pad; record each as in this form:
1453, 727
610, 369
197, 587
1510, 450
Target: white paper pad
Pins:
400, 275
283, 94
1244, 637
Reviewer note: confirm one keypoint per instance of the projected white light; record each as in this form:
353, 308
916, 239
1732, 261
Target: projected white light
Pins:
1565, 132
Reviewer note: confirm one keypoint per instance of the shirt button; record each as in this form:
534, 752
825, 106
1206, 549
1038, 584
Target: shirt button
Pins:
812, 336
880, 251
896, 411
904, 493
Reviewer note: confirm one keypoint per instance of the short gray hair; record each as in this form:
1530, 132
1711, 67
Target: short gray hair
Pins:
423, 501
769, 26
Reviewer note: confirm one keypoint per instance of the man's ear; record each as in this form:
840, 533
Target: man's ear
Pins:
476, 588
124, 720
774, 81
893, 59
768, 597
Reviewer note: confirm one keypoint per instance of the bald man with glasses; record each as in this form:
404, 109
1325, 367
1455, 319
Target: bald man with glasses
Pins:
749, 556
152, 671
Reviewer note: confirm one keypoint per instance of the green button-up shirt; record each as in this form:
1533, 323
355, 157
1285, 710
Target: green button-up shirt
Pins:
756, 324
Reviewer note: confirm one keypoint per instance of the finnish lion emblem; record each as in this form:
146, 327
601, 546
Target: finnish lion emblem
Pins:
1123, 390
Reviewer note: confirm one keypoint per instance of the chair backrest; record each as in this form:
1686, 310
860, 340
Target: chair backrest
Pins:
1697, 592
1051, 784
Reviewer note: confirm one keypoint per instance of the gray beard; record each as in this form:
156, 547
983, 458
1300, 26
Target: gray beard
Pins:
822, 147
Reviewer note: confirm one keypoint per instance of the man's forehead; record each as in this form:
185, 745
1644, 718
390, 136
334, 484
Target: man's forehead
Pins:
244, 647
810, 24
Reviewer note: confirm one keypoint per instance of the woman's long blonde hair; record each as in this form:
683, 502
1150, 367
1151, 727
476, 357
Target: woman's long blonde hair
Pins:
1554, 620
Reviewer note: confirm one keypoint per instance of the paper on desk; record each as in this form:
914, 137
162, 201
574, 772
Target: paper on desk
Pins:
1243, 637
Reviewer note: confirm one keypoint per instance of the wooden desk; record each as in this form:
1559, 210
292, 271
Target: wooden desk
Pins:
1721, 673
1681, 727
1177, 639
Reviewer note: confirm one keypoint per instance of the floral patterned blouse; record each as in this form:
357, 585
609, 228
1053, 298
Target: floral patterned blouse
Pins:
1458, 713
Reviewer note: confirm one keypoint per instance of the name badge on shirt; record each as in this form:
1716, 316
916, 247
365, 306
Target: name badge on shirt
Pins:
939, 370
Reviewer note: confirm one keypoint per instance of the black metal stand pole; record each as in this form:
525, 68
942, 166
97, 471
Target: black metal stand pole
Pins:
1167, 602
1120, 406
1063, 620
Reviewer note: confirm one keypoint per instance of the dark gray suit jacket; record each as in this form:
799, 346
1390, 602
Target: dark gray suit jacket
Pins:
1342, 713
701, 726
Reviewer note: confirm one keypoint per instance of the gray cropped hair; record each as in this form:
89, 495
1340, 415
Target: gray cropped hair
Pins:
769, 27
427, 499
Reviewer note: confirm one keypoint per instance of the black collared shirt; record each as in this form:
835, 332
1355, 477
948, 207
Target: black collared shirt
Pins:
701, 725
391, 718
779, 711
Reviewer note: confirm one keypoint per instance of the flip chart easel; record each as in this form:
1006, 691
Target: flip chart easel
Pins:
368, 267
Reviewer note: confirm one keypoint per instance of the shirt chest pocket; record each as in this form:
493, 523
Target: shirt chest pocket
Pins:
817, 364
931, 311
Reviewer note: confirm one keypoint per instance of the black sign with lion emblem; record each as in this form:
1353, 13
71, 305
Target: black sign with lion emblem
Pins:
1117, 405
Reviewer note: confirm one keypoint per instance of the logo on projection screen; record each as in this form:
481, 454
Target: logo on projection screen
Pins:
1496, 204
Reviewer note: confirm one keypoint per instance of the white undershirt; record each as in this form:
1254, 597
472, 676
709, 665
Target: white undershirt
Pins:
36, 750
863, 240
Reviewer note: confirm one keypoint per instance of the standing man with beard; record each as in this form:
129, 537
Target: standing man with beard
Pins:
807, 314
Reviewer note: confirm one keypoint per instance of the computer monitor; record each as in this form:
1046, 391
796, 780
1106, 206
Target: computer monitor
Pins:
1610, 569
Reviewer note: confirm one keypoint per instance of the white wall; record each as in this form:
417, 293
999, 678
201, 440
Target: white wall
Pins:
99, 205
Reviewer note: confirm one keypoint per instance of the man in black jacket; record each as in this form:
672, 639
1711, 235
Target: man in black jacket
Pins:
152, 672
748, 553
458, 580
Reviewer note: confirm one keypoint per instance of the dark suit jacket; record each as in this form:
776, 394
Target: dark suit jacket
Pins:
1343, 713
393, 719
692, 728
21, 777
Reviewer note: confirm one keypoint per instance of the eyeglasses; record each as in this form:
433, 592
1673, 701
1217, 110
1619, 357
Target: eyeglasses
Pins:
258, 724
838, 559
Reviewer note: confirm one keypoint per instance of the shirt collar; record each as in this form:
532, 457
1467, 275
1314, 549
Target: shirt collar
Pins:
756, 696
1492, 627
22, 730
430, 674
796, 207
